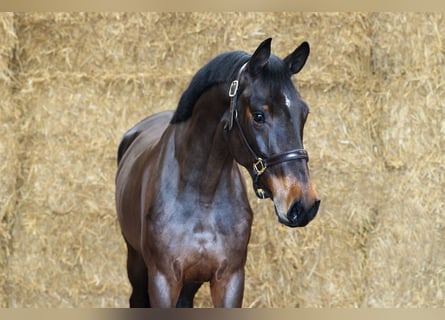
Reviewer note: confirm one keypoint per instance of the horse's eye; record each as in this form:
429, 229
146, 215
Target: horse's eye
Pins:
258, 117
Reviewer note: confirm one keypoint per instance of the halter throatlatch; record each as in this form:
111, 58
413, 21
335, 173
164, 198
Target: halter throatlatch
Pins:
260, 164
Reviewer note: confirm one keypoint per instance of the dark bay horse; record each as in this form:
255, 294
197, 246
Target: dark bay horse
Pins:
181, 199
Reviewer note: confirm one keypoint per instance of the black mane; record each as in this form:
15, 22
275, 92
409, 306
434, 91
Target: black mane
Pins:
221, 69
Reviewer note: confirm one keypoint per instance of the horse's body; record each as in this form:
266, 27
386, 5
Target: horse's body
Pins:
181, 200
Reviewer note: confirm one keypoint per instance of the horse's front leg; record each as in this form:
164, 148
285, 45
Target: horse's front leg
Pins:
228, 291
163, 290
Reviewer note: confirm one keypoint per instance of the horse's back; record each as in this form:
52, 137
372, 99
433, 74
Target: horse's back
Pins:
133, 153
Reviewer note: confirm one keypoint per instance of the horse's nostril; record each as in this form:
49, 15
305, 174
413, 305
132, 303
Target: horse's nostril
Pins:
298, 216
295, 212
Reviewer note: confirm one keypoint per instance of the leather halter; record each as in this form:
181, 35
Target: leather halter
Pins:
260, 164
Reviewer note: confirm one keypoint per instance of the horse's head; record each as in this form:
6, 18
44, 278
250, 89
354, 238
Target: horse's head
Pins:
265, 130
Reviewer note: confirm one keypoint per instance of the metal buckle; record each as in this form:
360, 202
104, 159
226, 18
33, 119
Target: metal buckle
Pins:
260, 193
233, 88
259, 166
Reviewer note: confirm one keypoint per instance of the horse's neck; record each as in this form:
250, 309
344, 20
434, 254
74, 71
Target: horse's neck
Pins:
201, 150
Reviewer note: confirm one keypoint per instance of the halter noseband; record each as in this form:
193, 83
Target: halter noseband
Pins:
259, 164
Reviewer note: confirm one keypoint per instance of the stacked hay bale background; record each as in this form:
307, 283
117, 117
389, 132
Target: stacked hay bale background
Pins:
72, 84
8, 153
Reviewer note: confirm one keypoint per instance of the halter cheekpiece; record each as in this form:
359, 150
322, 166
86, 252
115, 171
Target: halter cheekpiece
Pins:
260, 164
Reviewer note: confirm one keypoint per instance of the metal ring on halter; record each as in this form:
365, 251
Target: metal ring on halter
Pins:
259, 167
233, 94
233, 88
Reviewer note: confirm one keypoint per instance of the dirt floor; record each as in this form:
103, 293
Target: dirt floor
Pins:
73, 83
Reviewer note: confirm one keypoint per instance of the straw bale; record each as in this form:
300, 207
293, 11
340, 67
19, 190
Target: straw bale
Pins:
374, 136
8, 143
411, 240
406, 265
9, 166
134, 43
7, 114
409, 44
67, 207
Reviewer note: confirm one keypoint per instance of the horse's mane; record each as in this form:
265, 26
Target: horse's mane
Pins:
221, 69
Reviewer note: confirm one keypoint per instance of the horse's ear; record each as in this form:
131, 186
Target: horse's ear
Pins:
260, 57
296, 60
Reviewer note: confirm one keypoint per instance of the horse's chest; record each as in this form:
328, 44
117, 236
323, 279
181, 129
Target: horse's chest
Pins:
207, 254
210, 240
202, 248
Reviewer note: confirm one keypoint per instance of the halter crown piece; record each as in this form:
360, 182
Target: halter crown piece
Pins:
260, 164
233, 94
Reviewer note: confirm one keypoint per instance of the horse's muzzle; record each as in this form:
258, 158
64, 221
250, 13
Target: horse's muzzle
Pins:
298, 216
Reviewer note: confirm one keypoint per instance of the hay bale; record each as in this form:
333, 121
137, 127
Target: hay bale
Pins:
408, 44
67, 210
9, 158
164, 44
410, 240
